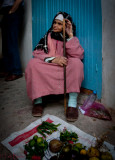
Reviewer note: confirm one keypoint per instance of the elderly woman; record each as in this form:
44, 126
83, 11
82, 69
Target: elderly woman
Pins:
44, 73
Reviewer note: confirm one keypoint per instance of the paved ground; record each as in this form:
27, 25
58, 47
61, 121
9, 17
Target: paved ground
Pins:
15, 113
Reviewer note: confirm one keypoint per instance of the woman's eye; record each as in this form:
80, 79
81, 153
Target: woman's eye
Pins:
59, 23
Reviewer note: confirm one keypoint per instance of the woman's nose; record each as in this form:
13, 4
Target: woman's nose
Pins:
55, 24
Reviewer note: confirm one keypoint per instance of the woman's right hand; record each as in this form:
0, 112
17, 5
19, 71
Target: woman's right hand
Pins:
60, 61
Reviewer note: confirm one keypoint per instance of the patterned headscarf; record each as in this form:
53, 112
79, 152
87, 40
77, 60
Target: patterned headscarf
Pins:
55, 35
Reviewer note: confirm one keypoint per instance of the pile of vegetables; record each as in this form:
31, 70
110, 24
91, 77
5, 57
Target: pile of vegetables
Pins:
78, 152
66, 147
94, 154
71, 152
69, 149
35, 148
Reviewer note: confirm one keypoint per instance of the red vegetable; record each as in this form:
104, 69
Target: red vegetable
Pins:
36, 158
25, 152
71, 142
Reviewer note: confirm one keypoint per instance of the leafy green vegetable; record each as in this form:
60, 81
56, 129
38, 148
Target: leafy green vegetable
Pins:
40, 131
47, 128
68, 136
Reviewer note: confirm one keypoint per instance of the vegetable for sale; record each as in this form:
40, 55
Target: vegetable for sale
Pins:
55, 145
47, 128
67, 136
35, 148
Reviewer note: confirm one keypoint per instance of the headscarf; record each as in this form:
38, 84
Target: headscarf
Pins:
55, 35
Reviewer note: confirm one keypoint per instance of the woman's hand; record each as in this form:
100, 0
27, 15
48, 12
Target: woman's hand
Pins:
68, 28
60, 61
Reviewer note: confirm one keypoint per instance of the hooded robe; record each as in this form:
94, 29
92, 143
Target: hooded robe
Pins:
43, 78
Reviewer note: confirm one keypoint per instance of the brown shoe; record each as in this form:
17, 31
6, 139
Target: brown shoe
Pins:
71, 114
3, 74
37, 110
13, 77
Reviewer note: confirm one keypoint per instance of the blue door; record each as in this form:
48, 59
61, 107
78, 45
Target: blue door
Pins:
87, 16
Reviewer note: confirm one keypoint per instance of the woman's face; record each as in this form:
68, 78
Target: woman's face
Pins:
57, 25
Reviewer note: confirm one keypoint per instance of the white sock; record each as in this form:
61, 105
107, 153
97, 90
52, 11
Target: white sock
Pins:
72, 102
38, 100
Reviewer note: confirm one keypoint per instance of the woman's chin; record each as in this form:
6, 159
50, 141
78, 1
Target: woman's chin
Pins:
55, 31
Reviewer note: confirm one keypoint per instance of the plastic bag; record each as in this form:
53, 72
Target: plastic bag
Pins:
96, 110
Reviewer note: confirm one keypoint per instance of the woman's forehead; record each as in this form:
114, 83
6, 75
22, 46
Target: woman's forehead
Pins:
58, 21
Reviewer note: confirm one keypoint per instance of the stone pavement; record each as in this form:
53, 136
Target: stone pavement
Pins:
15, 113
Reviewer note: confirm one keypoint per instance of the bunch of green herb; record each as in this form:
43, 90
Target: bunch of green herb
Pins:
47, 128
66, 136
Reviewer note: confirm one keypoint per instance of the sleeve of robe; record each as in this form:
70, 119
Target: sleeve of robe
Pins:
74, 49
40, 54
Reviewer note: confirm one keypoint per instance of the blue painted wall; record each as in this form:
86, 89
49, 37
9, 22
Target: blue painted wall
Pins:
87, 16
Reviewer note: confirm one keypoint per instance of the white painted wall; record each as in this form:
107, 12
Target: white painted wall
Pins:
108, 53
26, 40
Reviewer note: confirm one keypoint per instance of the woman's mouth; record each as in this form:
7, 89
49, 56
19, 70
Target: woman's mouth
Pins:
54, 28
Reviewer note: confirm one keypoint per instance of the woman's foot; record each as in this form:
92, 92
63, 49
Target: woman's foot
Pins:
3, 74
71, 114
13, 77
37, 110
